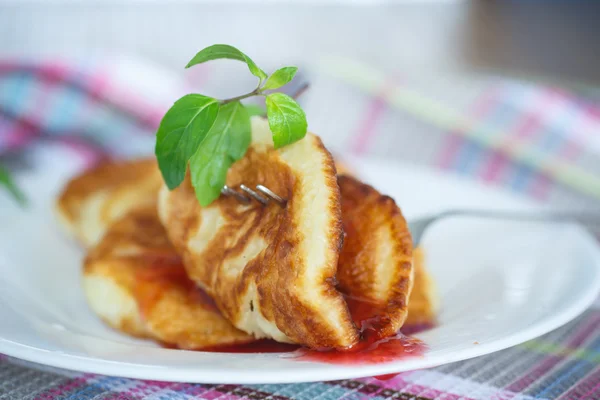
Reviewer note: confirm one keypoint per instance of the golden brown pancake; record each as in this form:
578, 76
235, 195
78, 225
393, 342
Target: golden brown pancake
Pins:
422, 305
375, 265
271, 269
135, 281
90, 202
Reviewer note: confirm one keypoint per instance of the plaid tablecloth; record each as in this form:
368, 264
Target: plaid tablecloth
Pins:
538, 140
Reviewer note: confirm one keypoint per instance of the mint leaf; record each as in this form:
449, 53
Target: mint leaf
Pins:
209, 135
8, 183
226, 143
254, 109
181, 130
280, 78
218, 51
286, 119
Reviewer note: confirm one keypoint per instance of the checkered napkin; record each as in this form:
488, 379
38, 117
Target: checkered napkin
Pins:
537, 140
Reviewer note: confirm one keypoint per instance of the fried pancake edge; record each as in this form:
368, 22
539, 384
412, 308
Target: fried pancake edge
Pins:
92, 200
376, 261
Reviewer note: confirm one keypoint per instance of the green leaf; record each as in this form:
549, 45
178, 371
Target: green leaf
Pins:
286, 119
255, 109
218, 51
280, 78
181, 130
226, 143
7, 182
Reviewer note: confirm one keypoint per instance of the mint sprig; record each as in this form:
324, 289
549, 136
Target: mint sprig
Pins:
209, 134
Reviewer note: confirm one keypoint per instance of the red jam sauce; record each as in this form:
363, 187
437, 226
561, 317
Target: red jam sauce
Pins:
372, 348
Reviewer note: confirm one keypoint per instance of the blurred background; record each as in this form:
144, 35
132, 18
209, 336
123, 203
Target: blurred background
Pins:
505, 92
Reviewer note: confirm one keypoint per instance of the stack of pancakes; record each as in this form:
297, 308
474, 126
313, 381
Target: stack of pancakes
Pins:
316, 272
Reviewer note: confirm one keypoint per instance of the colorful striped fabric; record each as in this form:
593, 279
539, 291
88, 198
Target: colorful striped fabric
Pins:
539, 141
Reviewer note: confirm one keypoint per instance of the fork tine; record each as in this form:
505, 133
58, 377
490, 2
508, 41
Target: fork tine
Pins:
255, 195
250, 194
227, 191
265, 190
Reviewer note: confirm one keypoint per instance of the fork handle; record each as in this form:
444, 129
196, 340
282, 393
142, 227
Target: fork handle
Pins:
586, 218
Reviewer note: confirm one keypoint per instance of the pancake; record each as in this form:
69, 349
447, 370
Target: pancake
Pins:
422, 305
270, 269
91, 201
118, 287
375, 268
147, 294
135, 281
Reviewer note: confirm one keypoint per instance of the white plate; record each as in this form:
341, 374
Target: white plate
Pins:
499, 283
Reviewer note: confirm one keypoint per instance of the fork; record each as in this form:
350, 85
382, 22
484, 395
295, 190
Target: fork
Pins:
419, 226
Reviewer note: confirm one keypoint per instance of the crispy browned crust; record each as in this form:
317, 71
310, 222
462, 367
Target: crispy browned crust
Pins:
92, 200
254, 261
376, 259
135, 255
421, 305
422, 309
